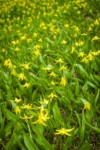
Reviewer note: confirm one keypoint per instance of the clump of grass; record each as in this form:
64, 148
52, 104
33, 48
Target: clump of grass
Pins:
49, 75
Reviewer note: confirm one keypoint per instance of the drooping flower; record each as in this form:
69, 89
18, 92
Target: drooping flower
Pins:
49, 67
76, 28
8, 63
87, 105
37, 52
25, 117
63, 131
27, 106
13, 72
52, 95
26, 85
63, 81
59, 60
17, 49
23, 37
96, 22
52, 74
81, 54
21, 76
26, 66
64, 42
17, 100
63, 68
53, 82
66, 26
45, 102
17, 110
95, 38
90, 57
73, 50
42, 117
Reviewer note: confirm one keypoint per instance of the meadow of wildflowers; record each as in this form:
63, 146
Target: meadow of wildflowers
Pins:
49, 75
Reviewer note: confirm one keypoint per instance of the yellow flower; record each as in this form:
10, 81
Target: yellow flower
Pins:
81, 54
15, 42
78, 12
49, 67
85, 60
76, 28
54, 37
8, 63
96, 53
87, 105
13, 72
53, 83
76, 44
3, 50
52, 74
26, 85
64, 42
37, 52
84, 34
63, 81
75, 35
90, 57
52, 95
35, 34
26, 66
21, 76
57, 30
66, 26
40, 40
63, 68
29, 40
96, 22
59, 60
37, 47
81, 43
17, 100
95, 38
17, 49
26, 117
45, 102
73, 50
42, 117
63, 131
42, 24
28, 106
24, 37
17, 110
90, 29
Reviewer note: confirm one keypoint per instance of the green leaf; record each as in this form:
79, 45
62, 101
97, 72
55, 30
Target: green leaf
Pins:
78, 118
10, 115
8, 129
92, 127
77, 88
1, 117
81, 121
57, 114
91, 84
40, 140
29, 143
11, 144
86, 146
34, 95
42, 60
82, 70
97, 96
82, 130
85, 87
